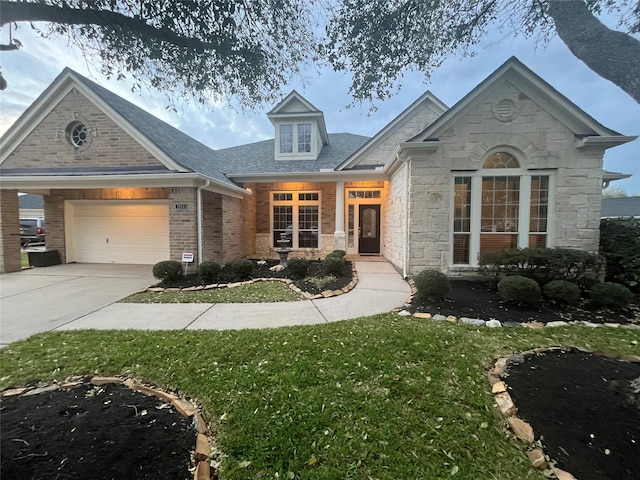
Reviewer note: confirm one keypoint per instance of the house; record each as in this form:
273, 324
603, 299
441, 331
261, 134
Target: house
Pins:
623, 207
512, 164
31, 206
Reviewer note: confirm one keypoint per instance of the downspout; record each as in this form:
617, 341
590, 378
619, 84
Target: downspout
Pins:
407, 216
199, 218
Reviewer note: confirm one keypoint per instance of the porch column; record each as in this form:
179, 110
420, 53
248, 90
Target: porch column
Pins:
339, 237
9, 232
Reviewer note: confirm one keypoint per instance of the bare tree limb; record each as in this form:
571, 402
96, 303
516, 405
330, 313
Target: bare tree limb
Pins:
611, 54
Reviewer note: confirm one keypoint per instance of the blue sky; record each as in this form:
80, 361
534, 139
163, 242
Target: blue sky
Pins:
30, 70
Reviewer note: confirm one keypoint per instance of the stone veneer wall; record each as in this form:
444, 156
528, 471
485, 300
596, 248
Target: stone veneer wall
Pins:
541, 140
9, 232
395, 218
46, 146
422, 118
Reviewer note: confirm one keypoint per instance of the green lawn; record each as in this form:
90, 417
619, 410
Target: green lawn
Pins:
24, 259
252, 293
382, 397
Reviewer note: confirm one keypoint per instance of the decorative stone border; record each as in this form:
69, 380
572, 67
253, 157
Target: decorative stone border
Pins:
286, 281
521, 429
493, 323
202, 453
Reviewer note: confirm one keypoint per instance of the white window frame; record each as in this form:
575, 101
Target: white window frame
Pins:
295, 202
523, 212
295, 154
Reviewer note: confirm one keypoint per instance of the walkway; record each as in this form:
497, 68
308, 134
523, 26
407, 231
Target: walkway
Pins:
63, 298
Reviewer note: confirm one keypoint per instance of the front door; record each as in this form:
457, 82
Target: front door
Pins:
369, 228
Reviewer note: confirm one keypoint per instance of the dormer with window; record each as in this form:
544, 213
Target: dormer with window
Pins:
300, 131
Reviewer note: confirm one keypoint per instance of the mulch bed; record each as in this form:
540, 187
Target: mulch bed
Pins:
585, 407
478, 299
104, 432
263, 271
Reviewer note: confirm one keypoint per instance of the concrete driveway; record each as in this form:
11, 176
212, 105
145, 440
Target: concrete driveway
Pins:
44, 299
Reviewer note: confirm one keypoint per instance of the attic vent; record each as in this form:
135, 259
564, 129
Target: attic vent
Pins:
505, 110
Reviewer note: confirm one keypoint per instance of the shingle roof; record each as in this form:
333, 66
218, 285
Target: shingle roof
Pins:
620, 207
177, 145
259, 157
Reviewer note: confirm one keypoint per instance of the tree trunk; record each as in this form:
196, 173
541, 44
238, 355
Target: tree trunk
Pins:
611, 54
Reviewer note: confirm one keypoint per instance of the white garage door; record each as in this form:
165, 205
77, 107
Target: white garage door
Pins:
112, 232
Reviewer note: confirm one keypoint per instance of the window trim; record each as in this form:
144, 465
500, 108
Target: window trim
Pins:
295, 202
525, 176
295, 154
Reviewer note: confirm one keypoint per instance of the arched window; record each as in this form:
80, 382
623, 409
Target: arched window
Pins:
499, 207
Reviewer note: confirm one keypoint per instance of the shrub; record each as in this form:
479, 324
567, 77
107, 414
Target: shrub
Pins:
520, 289
168, 270
298, 267
209, 271
431, 284
620, 246
563, 291
608, 294
338, 253
543, 265
242, 268
333, 265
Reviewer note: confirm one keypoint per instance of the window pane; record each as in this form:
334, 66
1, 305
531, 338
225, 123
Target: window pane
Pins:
280, 197
537, 240
308, 226
539, 204
462, 205
351, 227
461, 248
490, 242
500, 204
308, 197
501, 160
282, 224
286, 138
304, 138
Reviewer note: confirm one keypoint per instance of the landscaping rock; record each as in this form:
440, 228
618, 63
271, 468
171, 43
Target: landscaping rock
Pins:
494, 324
452, 319
439, 317
556, 324
498, 387
537, 459
422, 315
521, 429
36, 391
534, 325
472, 321
505, 404
404, 313
562, 475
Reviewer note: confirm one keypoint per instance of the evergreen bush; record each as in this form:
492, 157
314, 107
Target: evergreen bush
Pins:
562, 291
333, 265
620, 246
209, 271
431, 284
242, 268
168, 270
608, 294
520, 290
298, 267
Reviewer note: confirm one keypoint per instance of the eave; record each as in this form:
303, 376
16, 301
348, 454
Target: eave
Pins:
606, 141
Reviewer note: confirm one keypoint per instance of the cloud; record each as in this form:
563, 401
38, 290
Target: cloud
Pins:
30, 70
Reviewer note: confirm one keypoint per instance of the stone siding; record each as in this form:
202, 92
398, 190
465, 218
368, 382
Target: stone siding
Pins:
539, 141
395, 218
108, 146
412, 126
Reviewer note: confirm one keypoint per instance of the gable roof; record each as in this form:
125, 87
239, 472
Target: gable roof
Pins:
427, 98
620, 207
176, 150
556, 104
295, 105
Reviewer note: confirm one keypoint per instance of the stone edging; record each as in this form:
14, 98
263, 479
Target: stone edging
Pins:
493, 323
521, 429
202, 453
286, 281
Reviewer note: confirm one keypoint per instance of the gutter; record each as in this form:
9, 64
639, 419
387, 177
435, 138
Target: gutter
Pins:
407, 209
199, 217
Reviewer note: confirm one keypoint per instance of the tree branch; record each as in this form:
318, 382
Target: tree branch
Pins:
12, 11
611, 54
